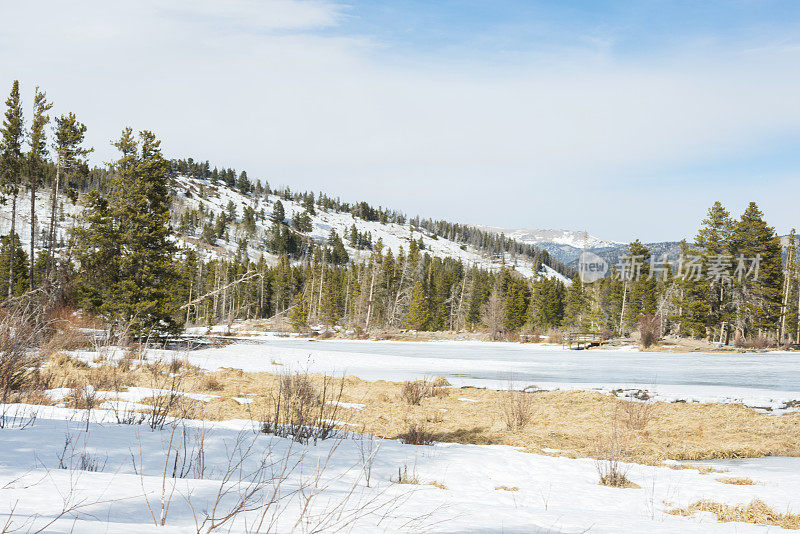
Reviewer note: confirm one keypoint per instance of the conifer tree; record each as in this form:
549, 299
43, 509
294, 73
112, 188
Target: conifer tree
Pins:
70, 157
127, 267
278, 213
19, 281
759, 298
299, 314
515, 304
338, 255
37, 156
418, 315
713, 242
11, 164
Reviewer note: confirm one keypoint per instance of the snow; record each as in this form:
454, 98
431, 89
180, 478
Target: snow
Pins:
554, 494
572, 238
394, 236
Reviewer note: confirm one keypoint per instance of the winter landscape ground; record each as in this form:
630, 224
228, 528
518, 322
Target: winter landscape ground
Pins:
173, 440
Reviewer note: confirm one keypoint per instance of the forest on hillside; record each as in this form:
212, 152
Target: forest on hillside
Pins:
124, 264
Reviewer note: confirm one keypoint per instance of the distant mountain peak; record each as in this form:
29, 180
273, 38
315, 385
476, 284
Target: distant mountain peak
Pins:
572, 238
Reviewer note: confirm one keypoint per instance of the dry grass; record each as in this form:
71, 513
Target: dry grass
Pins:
737, 481
756, 512
571, 421
702, 469
506, 488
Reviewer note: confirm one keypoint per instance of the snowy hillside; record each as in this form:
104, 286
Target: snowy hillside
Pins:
192, 193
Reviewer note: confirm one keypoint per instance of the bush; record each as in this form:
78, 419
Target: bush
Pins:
518, 409
649, 330
417, 434
638, 414
414, 391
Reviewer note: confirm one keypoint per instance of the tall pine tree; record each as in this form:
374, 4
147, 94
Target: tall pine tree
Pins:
128, 272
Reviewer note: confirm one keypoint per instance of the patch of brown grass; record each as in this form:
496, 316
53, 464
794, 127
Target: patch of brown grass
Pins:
702, 469
572, 421
756, 512
506, 488
737, 481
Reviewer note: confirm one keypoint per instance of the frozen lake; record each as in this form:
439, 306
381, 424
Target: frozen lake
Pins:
528, 363
763, 380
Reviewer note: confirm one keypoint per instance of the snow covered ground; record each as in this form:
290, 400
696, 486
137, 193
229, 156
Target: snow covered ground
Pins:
41, 476
766, 381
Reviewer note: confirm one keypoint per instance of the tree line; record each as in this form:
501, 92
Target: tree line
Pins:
123, 263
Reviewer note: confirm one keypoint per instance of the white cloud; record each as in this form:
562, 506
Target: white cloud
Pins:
253, 84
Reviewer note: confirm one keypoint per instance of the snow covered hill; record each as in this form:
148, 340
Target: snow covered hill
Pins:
215, 198
191, 193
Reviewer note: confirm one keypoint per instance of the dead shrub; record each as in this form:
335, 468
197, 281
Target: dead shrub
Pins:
413, 391
638, 414
303, 412
417, 434
611, 455
19, 334
518, 408
212, 383
555, 336
404, 477
649, 330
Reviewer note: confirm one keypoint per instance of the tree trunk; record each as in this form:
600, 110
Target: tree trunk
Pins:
33, 228
624, 301
51, 237
12, 243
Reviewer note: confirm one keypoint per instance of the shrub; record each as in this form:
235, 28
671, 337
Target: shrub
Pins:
638, 414
649, 329
417, 434
518, 408
414, 391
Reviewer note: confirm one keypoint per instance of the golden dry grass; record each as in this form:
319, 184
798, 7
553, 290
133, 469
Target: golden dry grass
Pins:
756, 512
506, 488
737, 481
571, 421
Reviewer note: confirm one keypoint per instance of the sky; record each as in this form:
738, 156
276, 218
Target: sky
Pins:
624, 119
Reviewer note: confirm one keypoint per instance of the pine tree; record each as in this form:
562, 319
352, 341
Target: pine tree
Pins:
127, 267
713, 243
278, 213
338, 255
70, 157
19, 282
642, 296
758, 301
37, 156
515, 303
299, 314
418, 315
11, 164
576, 304
690, 298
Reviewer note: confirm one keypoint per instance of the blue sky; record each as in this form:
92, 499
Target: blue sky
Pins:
626, 119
